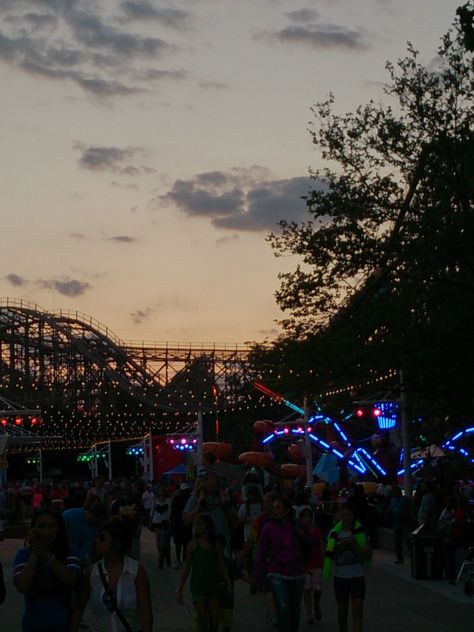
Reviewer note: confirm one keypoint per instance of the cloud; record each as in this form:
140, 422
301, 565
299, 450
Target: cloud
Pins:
213, 85
123, 239
222, 241
316, 36
15, 279
115, 159
303, 15
144, 10
81, 42
141, 315
67, 287
237, 201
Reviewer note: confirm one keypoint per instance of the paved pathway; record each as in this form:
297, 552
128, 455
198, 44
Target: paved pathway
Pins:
395, 602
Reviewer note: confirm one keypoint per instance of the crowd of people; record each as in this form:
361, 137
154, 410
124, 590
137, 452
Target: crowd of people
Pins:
80, 566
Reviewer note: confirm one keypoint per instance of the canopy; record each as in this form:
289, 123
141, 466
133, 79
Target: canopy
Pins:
177, 470
327, 468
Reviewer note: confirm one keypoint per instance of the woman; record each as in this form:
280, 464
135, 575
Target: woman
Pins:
46, 571
160, 524
204, 561
281, 558
117, 586
348, 550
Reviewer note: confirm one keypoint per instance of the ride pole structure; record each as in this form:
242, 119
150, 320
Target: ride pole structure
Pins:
40, 465
109, 452
307, 441
407, 483
200, 438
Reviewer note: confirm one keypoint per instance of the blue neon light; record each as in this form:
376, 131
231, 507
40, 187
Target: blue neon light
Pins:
296, 431
337, 453
293, 407
373, 461
268, 438
459, 434
343, 435
468, 430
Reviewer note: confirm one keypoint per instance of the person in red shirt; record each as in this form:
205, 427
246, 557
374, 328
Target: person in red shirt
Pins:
313, 567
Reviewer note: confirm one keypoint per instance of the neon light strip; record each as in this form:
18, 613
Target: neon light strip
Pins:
342, 434
269, 438
373, 461
412, 467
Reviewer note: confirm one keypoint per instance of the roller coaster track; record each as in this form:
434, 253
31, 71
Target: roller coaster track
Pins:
72, 358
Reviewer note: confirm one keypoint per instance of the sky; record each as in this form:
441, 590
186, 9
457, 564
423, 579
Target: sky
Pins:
148, 147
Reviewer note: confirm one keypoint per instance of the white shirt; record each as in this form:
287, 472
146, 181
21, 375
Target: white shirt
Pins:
98, 616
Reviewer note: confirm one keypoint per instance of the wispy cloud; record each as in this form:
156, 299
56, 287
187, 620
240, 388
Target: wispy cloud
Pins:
123, 239
15, 279
236, 201
141, 315
84, 43
67, 287
117, 160
145, 10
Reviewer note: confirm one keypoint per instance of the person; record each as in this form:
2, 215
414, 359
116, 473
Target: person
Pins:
402, 514
281, 558
348, 550
3, 591
116, 583
210, 498
82, 523
129, 505
181, 533
160, 524
249, 554
46, 571
226, 596
250, 509
204, 562
313, 567
147, 501
100, 490
427, 514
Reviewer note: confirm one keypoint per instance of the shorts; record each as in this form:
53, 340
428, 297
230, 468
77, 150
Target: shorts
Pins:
226, 617
347, 588
312, 580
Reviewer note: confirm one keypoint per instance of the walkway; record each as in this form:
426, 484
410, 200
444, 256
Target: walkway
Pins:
395, 602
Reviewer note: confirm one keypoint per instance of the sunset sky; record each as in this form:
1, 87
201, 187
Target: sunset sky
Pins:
147, 147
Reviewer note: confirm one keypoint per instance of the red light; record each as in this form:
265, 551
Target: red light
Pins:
34, 421
376, 412
4, 422
18, 421
309, 429
359, 412
286, 430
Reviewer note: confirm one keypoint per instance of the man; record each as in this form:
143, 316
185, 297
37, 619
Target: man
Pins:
427, 513
401, 510
210, 498
82, 524
129, 505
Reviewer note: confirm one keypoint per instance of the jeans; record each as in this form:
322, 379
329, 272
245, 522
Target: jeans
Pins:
287, 594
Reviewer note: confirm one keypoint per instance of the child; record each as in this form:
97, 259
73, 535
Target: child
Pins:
204, 562
313, 566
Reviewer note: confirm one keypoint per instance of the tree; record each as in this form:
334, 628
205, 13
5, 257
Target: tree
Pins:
389, 243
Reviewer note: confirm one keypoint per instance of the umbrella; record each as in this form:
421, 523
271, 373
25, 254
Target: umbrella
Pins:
433, 451
176, 470
327, 468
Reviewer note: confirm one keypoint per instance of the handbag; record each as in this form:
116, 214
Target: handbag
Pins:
112, 600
